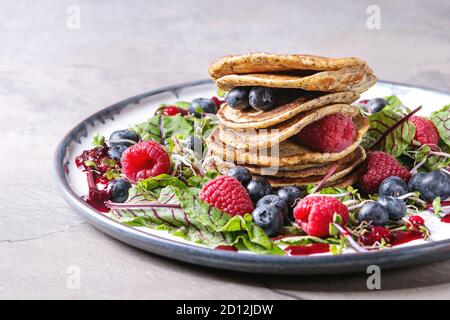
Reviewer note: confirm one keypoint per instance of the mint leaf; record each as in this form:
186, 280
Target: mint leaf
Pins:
90, 163
161, 128
396, 141
98, 140
112, 174
437, 207
441, 120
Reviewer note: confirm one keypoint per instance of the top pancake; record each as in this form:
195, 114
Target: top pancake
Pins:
268, 63
347, 79
251, 118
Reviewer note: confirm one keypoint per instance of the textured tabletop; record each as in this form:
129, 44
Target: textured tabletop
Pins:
59, 63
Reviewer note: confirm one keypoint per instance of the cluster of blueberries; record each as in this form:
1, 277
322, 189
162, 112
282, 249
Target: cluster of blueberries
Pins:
271, 210
389, 207
259, 98
118, 142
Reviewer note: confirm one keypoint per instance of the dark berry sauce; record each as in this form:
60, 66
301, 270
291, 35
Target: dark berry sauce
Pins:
402, 237
446, 218
226, 248
95, 163
98, 202
308, 249
96, 155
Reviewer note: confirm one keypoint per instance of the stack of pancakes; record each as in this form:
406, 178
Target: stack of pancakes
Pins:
307, 88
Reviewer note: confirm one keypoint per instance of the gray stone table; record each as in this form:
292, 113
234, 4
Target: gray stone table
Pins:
56, 70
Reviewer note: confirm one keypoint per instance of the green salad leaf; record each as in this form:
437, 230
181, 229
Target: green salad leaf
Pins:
300, 240
396, 105
396, 141
180, 211
441, 120
431, 161
161, 128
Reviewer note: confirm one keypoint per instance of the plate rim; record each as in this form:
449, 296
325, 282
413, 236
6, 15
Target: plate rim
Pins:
222, 259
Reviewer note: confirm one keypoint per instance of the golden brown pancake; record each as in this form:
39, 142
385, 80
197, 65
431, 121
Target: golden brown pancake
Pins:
269, 62
251, 118
346, 79
264, 138
337, 180
287, 153
318, 170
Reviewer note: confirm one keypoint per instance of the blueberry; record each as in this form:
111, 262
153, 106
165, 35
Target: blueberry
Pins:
202, 105
269, 218
375, 105
274, 200
123, 137
289, 195
115, 152
393, 186
374, 213
242, 174
414, 181
238, 98
119, 190
435, 184
262, 98
258, 188
396, 207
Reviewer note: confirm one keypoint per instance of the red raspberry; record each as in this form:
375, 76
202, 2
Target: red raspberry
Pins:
426, 132
217, 101
172, 111
379, 166
145, 159
314, 214
416, 221
332, 133
376, 235
227, 194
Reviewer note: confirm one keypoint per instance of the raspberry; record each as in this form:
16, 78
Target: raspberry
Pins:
145, 159
314, 214
217, 101
377, 234
332, 133
426, 132
416, 221
172, 111
379, 166
227, 194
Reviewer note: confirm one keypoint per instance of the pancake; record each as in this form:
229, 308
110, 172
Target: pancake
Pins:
287, 153
264, 138
346, 79
338, 180
317, 170
268, 62
251, 118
